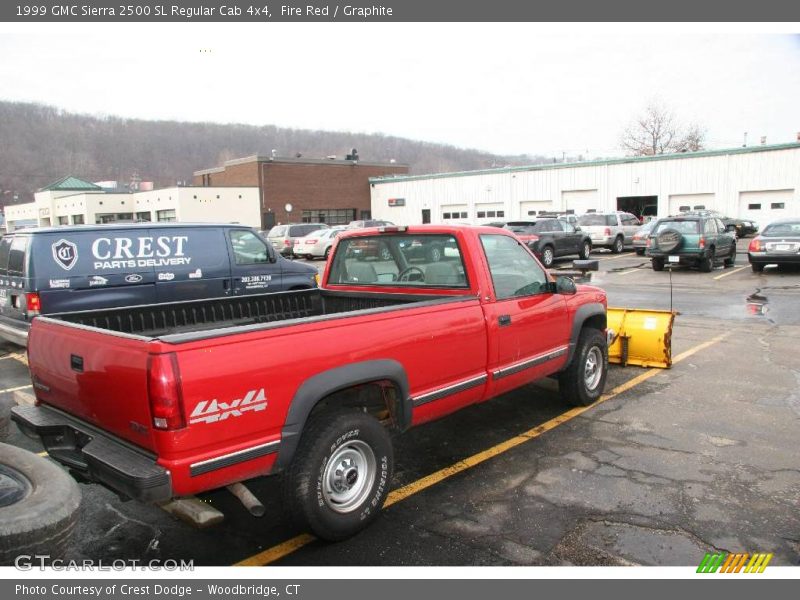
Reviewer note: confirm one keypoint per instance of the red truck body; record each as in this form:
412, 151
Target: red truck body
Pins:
196, 410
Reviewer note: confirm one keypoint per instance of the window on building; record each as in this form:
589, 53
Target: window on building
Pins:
464, 215
330, 216
144, 216
777, 205
103, 218
481, 214
78, 220
501, 213
684, 208
754, 206
445, 215
63, 220
166, 215
491, 214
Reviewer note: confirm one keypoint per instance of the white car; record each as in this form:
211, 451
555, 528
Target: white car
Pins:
316, 244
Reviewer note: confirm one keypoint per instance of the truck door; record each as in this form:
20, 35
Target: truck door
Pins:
528, 326
254, 269
191, 263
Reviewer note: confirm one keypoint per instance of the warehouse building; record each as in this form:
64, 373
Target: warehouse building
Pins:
760, 183
73, 201
304, 190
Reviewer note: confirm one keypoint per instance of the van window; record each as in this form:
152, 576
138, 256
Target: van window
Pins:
278, 231
16, 256
5, 247
248, 248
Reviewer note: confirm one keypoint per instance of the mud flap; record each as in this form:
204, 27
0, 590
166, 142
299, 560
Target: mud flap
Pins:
640, 337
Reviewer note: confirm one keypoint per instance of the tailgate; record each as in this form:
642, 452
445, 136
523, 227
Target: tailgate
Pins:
98, 377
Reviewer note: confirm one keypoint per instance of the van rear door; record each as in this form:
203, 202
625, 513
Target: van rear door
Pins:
14, 283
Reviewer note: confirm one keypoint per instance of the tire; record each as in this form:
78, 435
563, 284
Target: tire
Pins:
385, 254
309, 257
640, 251
547, 256
619, 245
345, 439
5, 418
40, 509
658, 264
757, 268
731, 260
707, 263
669, 240
586, 250
435, 254
582, 382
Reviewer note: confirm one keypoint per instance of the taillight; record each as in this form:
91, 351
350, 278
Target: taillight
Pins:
649, 242
607, 232
311, 241
164, 392
287, 242
702, 242
33, 304
755, 246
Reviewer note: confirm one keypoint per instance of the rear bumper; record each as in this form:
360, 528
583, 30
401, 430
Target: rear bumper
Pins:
763, 258
96, 456
14, 331
688, 258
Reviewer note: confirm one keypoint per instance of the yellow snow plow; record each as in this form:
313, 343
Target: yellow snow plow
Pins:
640, 337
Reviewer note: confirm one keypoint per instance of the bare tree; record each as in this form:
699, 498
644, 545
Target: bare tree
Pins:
657, 131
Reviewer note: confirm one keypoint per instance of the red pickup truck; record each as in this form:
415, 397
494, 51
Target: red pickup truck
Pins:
168, 400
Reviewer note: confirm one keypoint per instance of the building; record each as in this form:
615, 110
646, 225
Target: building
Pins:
73, 201
302, 190
760, 183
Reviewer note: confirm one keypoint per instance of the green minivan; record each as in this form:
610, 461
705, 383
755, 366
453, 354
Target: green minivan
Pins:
694, 241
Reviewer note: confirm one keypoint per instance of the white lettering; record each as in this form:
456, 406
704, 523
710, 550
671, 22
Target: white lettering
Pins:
145, 247
96, 249
163, 245
123, 246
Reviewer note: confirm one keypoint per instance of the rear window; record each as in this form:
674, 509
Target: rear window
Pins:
278, 231
774, 230
16, 256
5, 246
681, 226
602, 220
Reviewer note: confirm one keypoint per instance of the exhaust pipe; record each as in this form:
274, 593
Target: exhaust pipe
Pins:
248, 499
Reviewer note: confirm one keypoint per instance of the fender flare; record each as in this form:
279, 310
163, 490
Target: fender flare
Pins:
583, 313
328, 382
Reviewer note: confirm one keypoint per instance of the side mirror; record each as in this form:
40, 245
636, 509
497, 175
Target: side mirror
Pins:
577, 228
565, 286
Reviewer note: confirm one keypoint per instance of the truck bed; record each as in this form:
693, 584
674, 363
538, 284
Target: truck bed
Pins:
176, 322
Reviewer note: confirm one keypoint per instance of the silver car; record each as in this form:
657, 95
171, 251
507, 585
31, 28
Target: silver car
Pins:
610, 230
282, 237
316, 244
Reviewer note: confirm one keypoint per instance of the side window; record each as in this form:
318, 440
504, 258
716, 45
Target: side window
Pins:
721, 226
710, 226
248, 248
514, 271
568, 227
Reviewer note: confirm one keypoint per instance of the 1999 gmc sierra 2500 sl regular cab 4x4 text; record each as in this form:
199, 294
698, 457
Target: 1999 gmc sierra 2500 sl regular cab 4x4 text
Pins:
168, 400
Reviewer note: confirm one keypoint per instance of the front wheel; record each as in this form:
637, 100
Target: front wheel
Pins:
547, 257
586, 250
583, 381
731, 260
619, 245
340, 474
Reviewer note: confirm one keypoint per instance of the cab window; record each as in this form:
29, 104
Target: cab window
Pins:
514, 271
248, 248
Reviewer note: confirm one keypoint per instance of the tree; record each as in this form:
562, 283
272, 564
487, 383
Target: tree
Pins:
657, 131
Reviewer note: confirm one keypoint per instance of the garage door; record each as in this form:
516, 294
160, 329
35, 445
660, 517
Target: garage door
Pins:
679, 203
766, 206
580, 201
531, 208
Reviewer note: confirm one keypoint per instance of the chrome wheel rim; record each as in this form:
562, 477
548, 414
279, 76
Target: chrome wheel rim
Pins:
548, 257
348, 477
593, 369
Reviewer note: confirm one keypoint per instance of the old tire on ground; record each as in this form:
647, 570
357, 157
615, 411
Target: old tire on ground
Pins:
669, 240
707, 262
757, 267
658, 264
586, 250
5, 418
38, 505
582, 382
547, 256
619, 245
340, 474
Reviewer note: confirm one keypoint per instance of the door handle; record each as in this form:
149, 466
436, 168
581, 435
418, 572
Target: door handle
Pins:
504, 320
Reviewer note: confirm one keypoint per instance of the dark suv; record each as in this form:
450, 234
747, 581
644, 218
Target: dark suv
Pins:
551, 238
691, 240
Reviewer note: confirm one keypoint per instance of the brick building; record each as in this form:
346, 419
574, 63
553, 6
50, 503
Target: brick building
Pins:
302, 190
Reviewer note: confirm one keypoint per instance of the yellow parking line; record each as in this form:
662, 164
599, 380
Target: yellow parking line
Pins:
22, 387
288, 547
730, 272
637, 270
623, 255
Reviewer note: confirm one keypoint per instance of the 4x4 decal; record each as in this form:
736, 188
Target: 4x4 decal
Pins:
213, 411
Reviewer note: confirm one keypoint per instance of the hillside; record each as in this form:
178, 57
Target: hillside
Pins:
41, 144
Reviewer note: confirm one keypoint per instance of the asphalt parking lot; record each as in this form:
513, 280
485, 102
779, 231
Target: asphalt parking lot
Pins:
671, 464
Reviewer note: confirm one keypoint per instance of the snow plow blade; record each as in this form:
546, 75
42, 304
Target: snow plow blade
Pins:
640, 337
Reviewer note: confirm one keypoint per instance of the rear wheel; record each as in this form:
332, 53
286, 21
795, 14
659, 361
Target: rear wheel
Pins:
340, 475
619, 245
582, 382
586, 250
386, 254
707, 262
547, 256
731, 260
38, 505
658, 264
757, 268
640, 251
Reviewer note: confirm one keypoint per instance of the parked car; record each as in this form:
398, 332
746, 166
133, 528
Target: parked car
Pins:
640, 237
282, 237
551, 238
742, 227
317, 244
92, 267
368, 223
313, 383
610, 230
691, 240
778, 244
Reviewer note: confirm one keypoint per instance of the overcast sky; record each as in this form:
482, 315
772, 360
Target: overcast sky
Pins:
503, 88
